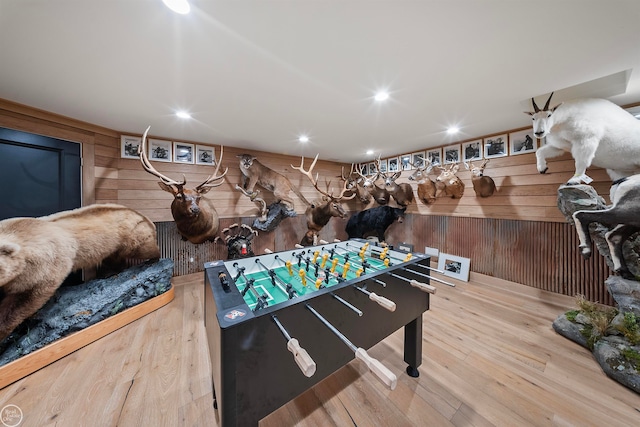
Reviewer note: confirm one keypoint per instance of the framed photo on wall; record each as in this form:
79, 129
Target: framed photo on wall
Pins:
159, 150
435, 154
205, 155
183, 152
371, 168
129, 146
495, 146
393, 164
383, 165
418, 159
472, 150
405, 162
522, 142
452, 154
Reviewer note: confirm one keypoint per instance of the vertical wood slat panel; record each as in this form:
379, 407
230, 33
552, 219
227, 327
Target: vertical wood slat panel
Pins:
543, 255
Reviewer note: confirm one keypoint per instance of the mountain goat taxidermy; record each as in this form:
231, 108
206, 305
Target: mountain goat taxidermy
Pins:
595, 131
621, 217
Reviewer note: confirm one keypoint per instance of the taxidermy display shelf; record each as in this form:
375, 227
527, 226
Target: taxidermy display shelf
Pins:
62, 347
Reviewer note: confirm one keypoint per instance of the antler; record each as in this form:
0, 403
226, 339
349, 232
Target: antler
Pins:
146, 164
213, 177
378, 171
425, 165
309, 175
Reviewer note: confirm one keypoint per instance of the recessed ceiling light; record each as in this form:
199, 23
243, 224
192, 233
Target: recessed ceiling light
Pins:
303, 138
382, 96
183, 115
369, 152
178, 6
452, 130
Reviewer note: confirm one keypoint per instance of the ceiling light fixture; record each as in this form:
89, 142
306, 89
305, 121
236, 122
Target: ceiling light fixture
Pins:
382, 96
178, 6
303, 138
369, 152
183, 115
453, 130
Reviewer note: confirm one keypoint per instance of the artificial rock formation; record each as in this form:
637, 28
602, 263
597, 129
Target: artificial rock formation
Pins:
610, 348
73, 308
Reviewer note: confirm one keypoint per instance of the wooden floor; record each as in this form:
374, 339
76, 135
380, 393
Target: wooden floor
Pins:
491, 358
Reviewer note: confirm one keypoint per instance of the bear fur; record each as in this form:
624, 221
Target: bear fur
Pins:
37, 254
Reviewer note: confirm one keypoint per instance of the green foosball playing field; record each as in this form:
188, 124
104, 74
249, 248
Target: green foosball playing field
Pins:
306, 272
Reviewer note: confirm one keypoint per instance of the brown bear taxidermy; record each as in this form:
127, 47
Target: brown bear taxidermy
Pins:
37, 254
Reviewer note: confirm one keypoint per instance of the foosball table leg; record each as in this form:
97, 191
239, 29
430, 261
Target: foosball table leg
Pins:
413, 346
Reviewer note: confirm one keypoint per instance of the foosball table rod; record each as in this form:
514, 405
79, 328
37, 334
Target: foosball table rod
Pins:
422, 286
429, 276
348, 304
374, 365
382, 301
300, 355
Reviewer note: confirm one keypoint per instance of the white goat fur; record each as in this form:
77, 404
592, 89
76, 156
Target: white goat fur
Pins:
595, 131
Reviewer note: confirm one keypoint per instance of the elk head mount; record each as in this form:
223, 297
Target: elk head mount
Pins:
319, 215
195, 216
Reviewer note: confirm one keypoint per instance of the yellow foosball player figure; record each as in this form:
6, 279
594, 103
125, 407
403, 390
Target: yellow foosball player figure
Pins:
288, 264
303, 276
315, 256
334, 264
324, 260
346, 270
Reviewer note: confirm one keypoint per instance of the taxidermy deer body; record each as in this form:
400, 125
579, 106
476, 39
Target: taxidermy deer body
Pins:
254, 172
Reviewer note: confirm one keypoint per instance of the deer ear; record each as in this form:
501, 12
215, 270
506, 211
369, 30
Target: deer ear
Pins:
168, 188
529, 113
203, 190
455, 168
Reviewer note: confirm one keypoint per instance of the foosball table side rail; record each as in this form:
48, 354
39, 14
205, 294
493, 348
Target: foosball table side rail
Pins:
253, 371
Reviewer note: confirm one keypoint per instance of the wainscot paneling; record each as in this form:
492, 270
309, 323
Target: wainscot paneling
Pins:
543, 255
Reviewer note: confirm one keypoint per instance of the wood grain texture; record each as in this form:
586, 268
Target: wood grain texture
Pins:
32, 362
522, 194
490, 358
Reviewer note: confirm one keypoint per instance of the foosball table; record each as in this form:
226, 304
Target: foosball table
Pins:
279, 323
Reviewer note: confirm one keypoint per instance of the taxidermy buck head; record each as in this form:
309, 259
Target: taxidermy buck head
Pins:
543, 120
195, 216
319, 215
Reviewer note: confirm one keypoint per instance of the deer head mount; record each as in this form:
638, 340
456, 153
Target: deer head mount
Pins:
426, 187
483, 185
449, 183
195, 217
401, 193
319, 215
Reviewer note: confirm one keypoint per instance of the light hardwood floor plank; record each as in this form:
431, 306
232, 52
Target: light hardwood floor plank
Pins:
490, 358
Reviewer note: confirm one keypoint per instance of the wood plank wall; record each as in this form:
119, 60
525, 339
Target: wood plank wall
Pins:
520, 222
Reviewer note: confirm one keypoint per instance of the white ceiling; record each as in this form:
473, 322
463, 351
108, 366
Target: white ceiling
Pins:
256, 74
